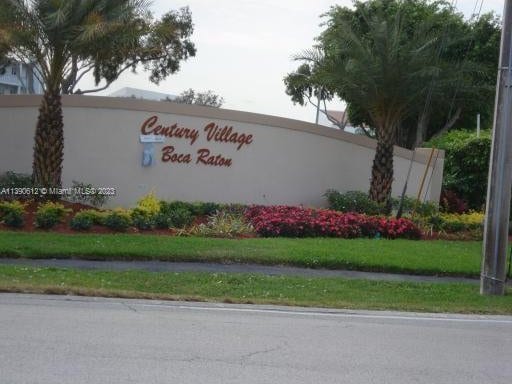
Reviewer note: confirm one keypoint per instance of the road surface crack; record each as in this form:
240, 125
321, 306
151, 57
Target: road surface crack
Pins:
247, 356
130, 307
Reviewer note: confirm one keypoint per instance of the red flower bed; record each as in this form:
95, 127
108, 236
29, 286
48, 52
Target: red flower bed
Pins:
288, 221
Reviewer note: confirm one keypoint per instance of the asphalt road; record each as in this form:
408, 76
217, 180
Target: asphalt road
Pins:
51, 339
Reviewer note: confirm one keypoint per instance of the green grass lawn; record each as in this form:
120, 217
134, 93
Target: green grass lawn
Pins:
246, 288
399, 256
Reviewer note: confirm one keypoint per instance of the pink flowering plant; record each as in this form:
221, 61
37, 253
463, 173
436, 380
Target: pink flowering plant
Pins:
286, 221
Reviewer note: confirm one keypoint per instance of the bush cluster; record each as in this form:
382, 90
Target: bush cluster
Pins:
49, 214
464, 226
150, 204
351, 220
353, 201
93, 215
175, 214
224, 224
142, 219
289, 221
11, 213
462, 222
118, 220
360, 202
81, 222
466, 164
150, 212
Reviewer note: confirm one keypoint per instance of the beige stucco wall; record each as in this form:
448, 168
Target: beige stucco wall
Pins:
288, 161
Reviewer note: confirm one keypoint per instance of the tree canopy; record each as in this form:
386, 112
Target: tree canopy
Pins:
207, 99
465, 53
403, 68
67, 39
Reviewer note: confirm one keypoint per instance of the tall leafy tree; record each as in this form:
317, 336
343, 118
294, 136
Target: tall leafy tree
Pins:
403, 67
303, 88
467, 53
66, 39
389, 73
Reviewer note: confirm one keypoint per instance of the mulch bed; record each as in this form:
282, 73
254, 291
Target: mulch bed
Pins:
63, 227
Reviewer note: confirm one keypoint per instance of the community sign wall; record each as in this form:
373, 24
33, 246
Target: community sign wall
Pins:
130, 147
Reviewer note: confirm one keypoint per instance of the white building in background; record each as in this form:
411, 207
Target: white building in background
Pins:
137, 93
19, 79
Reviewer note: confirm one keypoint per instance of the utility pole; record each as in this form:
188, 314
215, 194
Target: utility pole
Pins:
495, 246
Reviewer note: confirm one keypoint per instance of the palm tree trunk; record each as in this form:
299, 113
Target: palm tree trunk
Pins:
49, 142
382, 169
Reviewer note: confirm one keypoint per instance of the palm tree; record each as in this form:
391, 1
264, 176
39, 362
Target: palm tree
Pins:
67, 39
387, 72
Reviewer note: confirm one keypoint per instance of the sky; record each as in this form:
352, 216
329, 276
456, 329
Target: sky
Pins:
245, 49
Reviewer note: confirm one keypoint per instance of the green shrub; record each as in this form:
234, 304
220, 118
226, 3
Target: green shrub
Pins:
143, 218
169, 206
436, 222
81, 222
162, 221
466, 164
118, 220
471, 223
196, 209
204, 208
413, 206
49, 214
180, 218
149, 204
462, 222
177, 214
14, 220
223, 224
96, 217
174, 213
353, 201
11, 213
360, 202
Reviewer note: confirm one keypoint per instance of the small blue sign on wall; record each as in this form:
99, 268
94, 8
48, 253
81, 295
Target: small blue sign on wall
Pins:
148, 153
